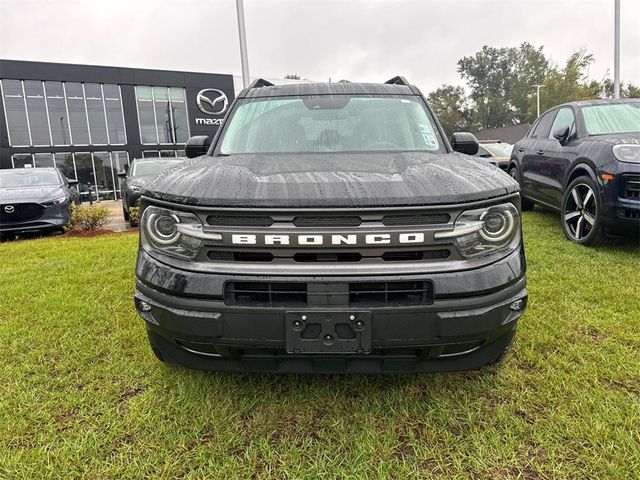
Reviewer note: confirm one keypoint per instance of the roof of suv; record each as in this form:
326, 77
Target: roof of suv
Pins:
600, 101
294, 90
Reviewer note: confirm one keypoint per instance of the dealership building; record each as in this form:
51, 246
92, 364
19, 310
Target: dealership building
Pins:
91, 121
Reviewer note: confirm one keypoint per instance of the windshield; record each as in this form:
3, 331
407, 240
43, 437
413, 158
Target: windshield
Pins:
499, 149
32, 177
330, 123
152, 167
615, 118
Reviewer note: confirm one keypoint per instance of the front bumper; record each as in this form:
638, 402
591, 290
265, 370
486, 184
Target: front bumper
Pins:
621, 210
469, 323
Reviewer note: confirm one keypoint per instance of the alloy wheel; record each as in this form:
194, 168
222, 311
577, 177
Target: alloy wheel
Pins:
580, 211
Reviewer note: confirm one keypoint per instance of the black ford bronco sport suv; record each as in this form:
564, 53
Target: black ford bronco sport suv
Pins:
331, 228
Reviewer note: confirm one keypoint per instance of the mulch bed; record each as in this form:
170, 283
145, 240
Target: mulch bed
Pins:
98, 232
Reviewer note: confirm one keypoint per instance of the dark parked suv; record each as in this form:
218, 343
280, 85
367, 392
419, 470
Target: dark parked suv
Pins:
133, 180
583, 159
331, 228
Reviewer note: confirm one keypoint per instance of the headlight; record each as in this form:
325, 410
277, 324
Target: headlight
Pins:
135, 188
627, 153
56, 201
171, 232
485, 230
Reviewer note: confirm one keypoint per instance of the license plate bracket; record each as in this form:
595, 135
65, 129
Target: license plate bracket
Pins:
328, 332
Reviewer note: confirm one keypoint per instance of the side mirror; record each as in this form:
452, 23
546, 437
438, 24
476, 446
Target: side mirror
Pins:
197, 146
561, 134
72, 182
122, 174
464, 142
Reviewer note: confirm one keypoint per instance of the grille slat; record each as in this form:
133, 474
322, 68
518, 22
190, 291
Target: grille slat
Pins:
631, 187
300, 294
329, 257
327, 221
427, 219
239, 221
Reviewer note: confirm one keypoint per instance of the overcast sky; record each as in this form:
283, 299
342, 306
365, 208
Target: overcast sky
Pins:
356, 40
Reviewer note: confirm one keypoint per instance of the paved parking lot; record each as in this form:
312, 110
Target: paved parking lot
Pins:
116, 220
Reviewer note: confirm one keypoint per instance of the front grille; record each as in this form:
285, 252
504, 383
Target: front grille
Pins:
340, 294
352, 239
22, 212
631, 187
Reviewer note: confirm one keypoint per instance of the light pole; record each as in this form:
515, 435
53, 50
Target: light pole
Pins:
243, 43
616, 51
538, 87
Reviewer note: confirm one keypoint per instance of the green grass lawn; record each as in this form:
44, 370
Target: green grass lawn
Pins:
81, 394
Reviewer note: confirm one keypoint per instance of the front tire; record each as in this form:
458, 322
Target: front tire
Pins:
581, 213
525, 204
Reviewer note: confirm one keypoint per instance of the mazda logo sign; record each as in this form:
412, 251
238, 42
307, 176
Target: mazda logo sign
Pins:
9, 209
212, 101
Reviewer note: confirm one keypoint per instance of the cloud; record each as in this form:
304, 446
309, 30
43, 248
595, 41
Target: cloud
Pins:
356, 40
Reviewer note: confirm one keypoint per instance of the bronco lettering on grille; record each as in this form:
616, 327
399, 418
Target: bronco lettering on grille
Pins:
326, 239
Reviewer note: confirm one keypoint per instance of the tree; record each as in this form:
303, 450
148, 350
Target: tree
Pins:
500, 80
567, 84
292, 76
627, 90
452, 108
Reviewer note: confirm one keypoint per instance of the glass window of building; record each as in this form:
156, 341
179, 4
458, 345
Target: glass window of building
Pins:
104, 175
64, 161
115, 117
119, 160
96, 114
16, 114
22, 160
77, 113
146, 115
162, 114
43, 160
150, 153
180, 118
37, 113
58, 121
167, 153
86, 181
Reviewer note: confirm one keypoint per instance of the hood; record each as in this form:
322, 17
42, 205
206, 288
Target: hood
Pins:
615, 138
331, 180
139, 181
30, 194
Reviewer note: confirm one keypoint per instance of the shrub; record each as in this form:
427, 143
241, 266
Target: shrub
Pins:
85, 218
134, 216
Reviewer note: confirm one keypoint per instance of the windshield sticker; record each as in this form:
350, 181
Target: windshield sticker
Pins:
429, 136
